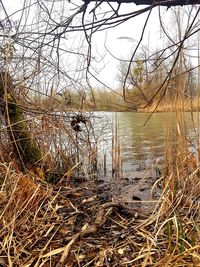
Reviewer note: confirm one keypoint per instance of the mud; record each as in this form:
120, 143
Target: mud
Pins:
138, 190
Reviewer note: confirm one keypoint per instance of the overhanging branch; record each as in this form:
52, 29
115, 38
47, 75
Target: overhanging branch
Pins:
167, 3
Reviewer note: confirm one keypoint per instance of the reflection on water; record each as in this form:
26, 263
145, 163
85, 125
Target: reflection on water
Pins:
142, 142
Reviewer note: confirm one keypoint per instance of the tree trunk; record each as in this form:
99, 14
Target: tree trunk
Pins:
25, 147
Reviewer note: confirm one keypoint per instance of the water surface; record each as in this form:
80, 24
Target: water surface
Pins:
142, 139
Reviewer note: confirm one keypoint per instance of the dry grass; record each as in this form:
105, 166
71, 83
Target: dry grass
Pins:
44, 225
170, 106
61, 225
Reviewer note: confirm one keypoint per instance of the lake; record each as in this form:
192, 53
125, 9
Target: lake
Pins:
139, 142
130, 150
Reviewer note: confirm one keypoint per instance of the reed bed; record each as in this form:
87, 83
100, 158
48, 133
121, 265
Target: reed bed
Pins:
74, 222
171, 106
56, 225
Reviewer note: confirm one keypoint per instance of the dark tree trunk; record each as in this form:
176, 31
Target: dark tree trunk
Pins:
25, 147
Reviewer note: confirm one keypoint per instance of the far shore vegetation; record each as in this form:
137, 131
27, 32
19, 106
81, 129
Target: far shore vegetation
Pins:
143, 90
113, 101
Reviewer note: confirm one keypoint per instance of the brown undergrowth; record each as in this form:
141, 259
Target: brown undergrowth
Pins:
74, 223
171, 106
58, 225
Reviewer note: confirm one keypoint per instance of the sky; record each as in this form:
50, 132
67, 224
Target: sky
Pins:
121, 42
110, 40
113, 44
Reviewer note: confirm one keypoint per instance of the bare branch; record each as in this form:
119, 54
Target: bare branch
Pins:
152, 2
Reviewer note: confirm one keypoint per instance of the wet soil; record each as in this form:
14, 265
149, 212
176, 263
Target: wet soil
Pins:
138, 189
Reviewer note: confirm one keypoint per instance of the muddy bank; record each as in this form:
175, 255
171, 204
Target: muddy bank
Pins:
136, 190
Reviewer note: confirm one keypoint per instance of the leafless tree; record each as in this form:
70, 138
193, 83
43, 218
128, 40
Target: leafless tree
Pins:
40, 41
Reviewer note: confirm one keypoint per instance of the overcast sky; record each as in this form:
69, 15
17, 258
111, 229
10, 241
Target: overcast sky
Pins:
122, 40
119, 41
